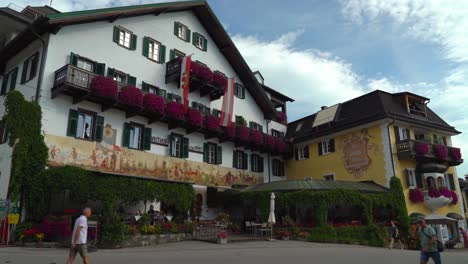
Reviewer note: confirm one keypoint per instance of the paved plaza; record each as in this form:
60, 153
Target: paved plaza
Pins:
245, 253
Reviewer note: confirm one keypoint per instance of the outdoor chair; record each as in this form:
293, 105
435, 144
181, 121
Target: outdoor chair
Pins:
249, 228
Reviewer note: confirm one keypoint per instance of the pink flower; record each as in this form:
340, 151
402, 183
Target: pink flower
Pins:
280, 145
219, 79
282, 117
434, 193
195, 117
202, 71
154, 103
270, 142
441, 151
416, 196
456, 153
175, 110
131, 96
256, 137
104, 87
230, 131
212, 122
243, 133
421, 148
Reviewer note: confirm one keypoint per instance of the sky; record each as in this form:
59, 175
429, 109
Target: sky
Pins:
325, 52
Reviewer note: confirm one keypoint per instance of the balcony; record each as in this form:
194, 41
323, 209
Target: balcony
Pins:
201, 78
427, 152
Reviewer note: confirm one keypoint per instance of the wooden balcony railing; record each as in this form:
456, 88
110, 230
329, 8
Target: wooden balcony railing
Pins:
422, 150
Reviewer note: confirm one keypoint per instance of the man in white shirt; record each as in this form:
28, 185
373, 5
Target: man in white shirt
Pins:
80, 233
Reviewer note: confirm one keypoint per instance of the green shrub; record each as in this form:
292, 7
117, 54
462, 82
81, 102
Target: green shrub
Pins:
325, 234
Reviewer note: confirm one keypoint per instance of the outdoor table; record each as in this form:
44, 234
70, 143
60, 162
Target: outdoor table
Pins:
255, 225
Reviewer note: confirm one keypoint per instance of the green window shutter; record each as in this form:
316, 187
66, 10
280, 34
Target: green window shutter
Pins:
171, 54
34, 62
147, 138
251, 125
144, 87
126, 135
162, 54
320, 149
332, 145
13, 76
176, 28
99, 129
206, 109
451, 182
234, 159
145, 46
188, 35
131, 80
306, 152
100, 68
260, 164
171, 141
243, 92
260, 128
133, 42
169, 96
219, 155
205, 44
162, 93
4, 84
24, 72
110, 72
185, 147
205, 152
419, 180
116, 36
73, 59
245, 159
194, 38
72, 123
397, 134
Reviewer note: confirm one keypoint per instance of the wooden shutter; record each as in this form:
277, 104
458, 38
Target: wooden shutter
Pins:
171, 54
13, 76
110, 72
4, 84
194, 38
306, 151
147, 134
332, 145
185, 147
72, 123
100, 68
320, 149
419, 180
145, 46
205, 152
34, 62
25, 71
234, 159
397, 133
162, 53
99, 128
205, 44
131, 80
188, 35
451, 182
219, 154
126, 135
245, 160
116, 36
243, 92
171, 141
74, 59
133, 42
176, 28
260, 164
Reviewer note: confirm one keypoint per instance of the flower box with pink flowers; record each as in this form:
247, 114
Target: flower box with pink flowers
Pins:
175, 110
104, 87
243, 133
131, 96
194, 117
212, 123
154, 104
202, 71
256, 137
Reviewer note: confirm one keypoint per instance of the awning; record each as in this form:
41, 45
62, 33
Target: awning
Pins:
455, 216
439, 219
298, 185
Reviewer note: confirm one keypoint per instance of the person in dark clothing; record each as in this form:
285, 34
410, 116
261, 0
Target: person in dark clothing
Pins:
152, 215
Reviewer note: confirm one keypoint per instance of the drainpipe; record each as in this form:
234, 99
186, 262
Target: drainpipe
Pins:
268, 154
45, 43
390, 145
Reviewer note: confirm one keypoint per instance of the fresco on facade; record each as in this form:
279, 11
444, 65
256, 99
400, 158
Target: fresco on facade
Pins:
105, 156
355, 152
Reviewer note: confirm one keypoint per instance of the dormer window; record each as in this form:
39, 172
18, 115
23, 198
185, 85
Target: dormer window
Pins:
415, 105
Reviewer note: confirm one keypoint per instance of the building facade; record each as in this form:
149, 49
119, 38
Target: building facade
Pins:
382, 135
111, 86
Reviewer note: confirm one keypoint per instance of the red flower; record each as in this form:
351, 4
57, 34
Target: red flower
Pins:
243, 133
421, 148
131, 96
202, 71
222, 235
416, 196
154, 103
175, 110
280, 145
195, 117
456, 153
270, 142
219, 79
441, 151
230, 131
104, 87
282, 117
434, 193
256, 137
212, 122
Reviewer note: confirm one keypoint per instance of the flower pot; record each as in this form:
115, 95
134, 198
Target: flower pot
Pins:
435, 203
222, 241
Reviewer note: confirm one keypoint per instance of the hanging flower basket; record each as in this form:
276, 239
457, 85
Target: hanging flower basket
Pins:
421, 149
212, 122
456, 153
219, 79
131, 96
256, 137
175, 110
194, 117
416, 196
441, 151
104, 87
202, 72
270, 142
243, 133
230, 131
153, 103
280, 145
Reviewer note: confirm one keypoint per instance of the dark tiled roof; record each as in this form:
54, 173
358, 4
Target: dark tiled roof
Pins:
367, 108
298, 185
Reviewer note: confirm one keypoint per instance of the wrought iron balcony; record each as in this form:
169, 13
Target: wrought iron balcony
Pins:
428, 152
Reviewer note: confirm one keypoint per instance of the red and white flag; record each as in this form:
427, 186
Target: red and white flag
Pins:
228, 103
185, 79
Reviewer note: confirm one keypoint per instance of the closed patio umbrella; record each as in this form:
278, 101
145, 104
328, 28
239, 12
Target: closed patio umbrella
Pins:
271, 217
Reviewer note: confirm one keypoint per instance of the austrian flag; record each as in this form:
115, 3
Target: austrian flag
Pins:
228, 103
185, 79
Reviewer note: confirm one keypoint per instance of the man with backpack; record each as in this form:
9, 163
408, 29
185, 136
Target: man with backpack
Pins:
428, 242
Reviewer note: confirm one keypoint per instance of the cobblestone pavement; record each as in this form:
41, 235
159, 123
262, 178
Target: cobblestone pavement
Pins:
259, 252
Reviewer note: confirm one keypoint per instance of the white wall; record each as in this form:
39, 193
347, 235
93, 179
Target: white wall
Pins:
5, 169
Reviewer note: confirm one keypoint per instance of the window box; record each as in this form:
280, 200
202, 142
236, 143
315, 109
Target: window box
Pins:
422, 148
131, 96
456, 153
243, 133
256, 137
281, 146
212, 123
416, 195
104, 87
154, 104
194, 117
270, 142
175, 110
441, 151
201, 71
230, 132
219, 79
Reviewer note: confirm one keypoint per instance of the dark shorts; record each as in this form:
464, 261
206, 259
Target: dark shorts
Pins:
79, 248
435, 256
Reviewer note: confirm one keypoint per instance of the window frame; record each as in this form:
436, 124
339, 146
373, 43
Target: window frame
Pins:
124, 30
84, 113
179, 54
403, 133
179, 27
203, 40
211, 154
140, 143
242, 164
86, 60
240, 120
411, 174
278, 168
256, 161
29, 63
302, 153
9, 84
239, 91
326, 146
153, 42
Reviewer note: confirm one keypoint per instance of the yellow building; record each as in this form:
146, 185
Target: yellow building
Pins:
378, 136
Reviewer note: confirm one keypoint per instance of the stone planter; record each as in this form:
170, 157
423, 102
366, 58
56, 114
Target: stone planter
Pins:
222, 241
435, 203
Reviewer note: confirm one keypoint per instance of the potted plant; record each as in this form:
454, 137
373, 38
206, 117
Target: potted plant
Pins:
456, 153
282, 117
230, 132
131, 96
280, 146
153, 104
202, 72
222, 237
104, 87
219, 79
212, 123
194, 117
242, 133
175, 110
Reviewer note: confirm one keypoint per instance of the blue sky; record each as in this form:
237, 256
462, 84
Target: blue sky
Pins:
325, 52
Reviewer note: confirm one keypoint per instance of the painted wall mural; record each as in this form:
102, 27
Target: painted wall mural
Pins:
355, 152
106, 156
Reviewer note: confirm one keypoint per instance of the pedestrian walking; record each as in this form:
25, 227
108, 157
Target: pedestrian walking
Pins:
428, 241
394, 235
79, 236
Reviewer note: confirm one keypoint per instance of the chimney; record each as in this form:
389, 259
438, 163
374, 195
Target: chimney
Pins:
323, 107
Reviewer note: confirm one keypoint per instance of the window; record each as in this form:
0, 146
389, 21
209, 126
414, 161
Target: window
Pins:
175, 54
125, 38
85, 124
9, 81
154, 50
178, 146
201, 107
411, 178
173, 98
255, 126
326, 147
239, 91
256, 163
301, 152
277, 134
30, 68
449, 181
240, 160
136, 136
212, 153
121, 77
87, 64
199, 41
240, 121
182, 31
278, 168
146, 87
216, 113
3, 132
403, 133
329, 177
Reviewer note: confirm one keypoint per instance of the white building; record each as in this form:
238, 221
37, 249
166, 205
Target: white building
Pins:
52, 58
